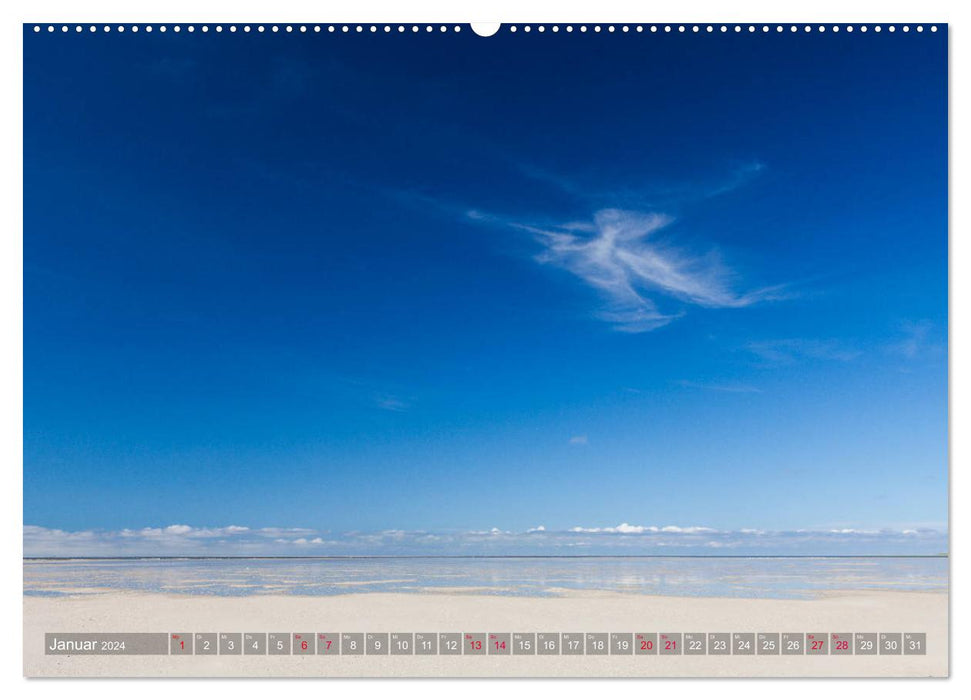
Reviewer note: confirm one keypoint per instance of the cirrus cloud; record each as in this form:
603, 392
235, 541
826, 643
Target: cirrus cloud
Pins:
622, 256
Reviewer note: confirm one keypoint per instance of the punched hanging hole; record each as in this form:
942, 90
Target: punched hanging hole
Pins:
485, 28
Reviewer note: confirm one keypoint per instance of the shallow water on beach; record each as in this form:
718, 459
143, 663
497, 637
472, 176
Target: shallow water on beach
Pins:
780, 577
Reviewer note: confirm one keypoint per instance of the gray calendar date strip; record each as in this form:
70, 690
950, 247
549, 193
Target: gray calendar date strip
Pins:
486, 643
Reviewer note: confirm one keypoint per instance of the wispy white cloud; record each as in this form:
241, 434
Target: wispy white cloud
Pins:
389, 402
622, 256
721, 388
625, 538
791, 350
578, 440
914, 340
646, 193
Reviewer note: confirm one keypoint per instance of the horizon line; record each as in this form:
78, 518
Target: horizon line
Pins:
942, 555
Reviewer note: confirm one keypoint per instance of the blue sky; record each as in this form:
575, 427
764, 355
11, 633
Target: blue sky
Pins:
445, 284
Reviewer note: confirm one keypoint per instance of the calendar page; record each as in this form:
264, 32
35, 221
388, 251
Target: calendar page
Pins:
519, 350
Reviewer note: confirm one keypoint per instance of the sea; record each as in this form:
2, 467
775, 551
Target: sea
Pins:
731, 577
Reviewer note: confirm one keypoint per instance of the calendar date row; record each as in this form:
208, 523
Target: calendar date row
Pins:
489, 643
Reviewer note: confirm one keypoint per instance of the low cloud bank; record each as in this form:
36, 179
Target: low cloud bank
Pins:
623, 539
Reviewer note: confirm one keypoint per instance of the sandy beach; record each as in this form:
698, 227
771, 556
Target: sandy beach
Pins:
572, 611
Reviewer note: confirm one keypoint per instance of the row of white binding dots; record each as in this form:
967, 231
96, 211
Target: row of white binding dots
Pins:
694, 28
